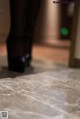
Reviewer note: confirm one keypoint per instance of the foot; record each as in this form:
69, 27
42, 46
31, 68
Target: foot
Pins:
17, 64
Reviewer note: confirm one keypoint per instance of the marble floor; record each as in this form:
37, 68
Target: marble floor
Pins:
51, 94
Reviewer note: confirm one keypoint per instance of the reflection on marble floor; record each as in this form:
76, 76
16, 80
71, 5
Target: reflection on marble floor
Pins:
49, 95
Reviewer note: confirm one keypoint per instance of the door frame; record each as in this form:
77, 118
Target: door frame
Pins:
72, 62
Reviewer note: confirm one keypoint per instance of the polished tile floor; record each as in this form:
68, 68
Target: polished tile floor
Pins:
46, 90
48, 95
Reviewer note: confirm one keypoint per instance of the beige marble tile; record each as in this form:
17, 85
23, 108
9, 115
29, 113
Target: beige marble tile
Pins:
48, 95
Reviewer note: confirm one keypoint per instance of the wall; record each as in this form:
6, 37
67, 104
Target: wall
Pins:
48, 21
47, 24
4, 19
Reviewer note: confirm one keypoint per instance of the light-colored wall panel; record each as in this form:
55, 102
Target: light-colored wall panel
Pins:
48, 21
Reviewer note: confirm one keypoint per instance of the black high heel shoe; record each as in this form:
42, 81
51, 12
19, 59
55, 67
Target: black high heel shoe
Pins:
17, 64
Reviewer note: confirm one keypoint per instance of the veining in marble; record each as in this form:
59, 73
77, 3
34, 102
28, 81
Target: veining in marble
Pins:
48, 95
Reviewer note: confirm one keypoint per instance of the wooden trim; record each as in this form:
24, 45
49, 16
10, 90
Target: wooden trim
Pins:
74, 35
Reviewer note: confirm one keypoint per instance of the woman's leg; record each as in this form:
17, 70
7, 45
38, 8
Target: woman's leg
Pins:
31, 16
15, 40
17, 9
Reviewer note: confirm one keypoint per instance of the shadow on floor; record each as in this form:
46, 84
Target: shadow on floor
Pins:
5, 73
37, 66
